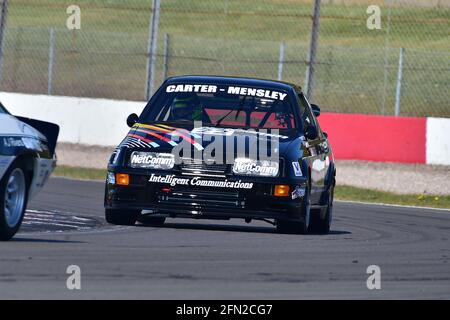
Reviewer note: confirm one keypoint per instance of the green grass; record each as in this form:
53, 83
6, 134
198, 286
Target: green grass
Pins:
80, 173
341, 193
107, 58
366, 195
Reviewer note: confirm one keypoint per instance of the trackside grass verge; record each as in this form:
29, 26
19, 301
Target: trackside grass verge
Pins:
375, 196
79, 173
341, 193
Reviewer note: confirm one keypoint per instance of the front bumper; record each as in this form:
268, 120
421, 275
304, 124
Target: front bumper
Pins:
205, 202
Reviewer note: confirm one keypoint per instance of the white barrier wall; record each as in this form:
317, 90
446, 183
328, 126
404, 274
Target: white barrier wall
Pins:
438, 141
103, 122
81, 120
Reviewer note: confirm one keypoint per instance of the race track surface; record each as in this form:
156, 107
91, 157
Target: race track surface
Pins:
203, 259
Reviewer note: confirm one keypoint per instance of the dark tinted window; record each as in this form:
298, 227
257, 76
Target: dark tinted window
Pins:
306, 112
222, 105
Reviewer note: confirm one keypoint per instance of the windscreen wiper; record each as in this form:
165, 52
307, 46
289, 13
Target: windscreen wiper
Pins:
241, 106
267, 115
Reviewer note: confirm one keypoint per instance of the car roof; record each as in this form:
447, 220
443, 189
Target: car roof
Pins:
242, 81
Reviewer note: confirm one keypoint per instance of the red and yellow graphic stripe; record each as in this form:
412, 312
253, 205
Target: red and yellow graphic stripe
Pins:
183, 133
141, 138
158, 136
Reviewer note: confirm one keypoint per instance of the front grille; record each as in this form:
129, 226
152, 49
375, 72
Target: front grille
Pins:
191, 168
201, 198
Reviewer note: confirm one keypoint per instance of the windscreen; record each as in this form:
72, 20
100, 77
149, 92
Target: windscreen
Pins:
221, 106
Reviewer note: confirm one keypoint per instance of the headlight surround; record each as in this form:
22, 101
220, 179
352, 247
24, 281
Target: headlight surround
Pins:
259, 168
152, 160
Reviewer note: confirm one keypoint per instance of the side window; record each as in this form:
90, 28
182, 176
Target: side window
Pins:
307, 116
305, 112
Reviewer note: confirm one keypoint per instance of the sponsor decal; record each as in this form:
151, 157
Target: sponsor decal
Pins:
11, 142
152, 160
199, 182
297, 169
258, 168
192, 88
232, 90
253, 92
298, 192
22, 142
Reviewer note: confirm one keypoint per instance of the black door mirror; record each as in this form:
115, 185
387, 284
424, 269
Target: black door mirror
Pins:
315, 109
132, 119
311, 132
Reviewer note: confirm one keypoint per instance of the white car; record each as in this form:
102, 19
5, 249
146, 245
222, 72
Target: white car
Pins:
27, 158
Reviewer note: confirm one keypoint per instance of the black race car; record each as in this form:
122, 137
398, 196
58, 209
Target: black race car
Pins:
27, 158
223, 147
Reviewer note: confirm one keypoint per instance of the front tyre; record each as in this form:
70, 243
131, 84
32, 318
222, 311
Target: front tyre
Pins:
152, 221
297, 227
321, 221
121, 217
13, 201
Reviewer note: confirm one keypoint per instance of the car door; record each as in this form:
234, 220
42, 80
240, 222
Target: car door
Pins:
318, 149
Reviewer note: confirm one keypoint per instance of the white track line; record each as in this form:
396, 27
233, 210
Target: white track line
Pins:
48, 223
33, 219
78, 231
440, 210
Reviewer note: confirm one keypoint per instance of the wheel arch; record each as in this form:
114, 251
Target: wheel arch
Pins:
331, 176
27, 160
306, 167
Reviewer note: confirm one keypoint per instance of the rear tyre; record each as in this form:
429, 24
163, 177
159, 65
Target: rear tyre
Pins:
297, 227
321, 221
13, 200
121, 217
152, 221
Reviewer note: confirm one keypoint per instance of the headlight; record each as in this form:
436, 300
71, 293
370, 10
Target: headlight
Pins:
111, 178
249, 167
152, 160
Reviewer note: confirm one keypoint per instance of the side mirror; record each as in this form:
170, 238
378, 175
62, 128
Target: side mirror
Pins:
132, 119
311, 132
315, 109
